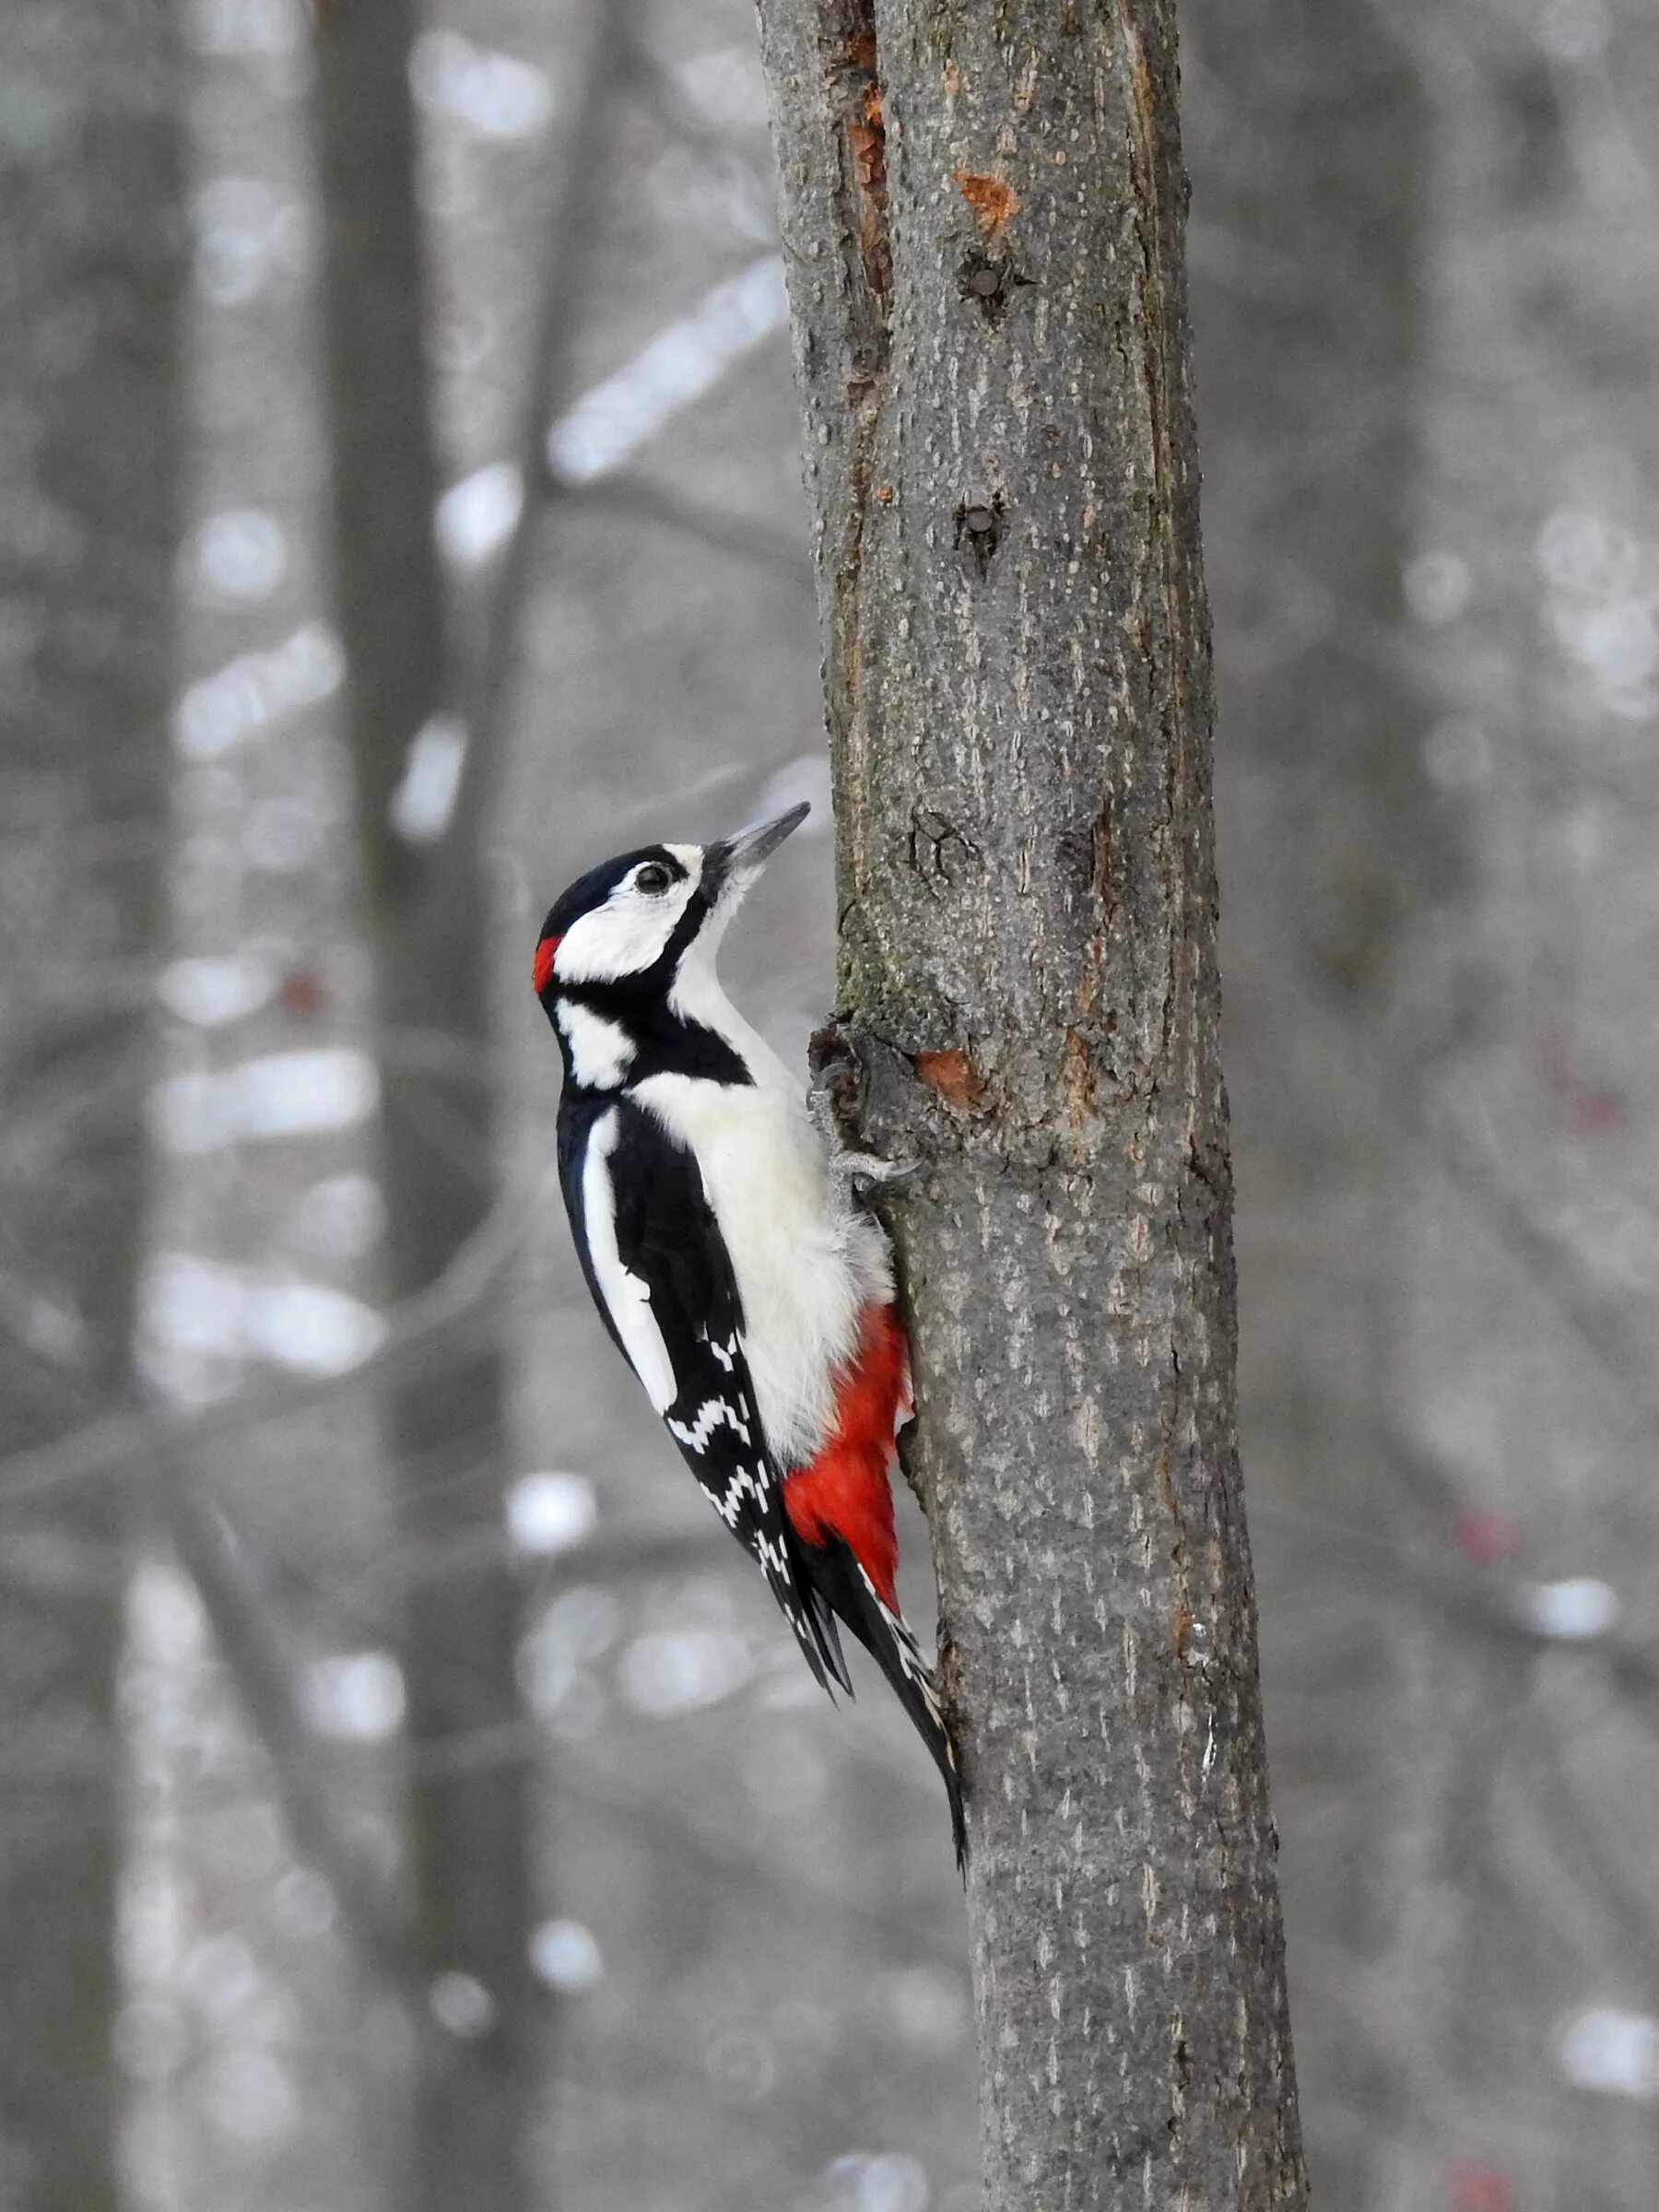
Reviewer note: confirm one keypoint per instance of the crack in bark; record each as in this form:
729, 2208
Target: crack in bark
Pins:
850, 61
854, 65
1155, 290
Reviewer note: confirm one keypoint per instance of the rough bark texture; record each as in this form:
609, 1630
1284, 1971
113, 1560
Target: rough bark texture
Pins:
468, 1866
982, 217
91, 261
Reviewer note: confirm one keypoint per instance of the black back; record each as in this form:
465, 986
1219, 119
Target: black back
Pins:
668, 1239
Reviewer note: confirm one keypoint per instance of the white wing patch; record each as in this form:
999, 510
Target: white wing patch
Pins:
695, 1434
627, 1299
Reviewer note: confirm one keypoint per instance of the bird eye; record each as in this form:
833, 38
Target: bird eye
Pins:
652, 876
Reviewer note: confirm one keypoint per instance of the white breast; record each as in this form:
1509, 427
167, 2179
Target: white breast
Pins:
803, 1267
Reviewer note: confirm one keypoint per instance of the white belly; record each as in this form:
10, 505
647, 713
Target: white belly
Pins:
804, 1268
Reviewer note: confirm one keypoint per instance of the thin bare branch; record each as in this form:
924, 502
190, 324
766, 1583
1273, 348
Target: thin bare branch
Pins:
779, 554
459, 1298
572, 228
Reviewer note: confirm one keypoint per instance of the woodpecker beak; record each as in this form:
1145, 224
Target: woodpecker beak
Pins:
733, 864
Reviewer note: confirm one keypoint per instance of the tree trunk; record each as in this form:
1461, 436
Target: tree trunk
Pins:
469, 1869
983, 227
91, 267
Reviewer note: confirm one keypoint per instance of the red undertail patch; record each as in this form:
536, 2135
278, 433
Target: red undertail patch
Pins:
844, 1491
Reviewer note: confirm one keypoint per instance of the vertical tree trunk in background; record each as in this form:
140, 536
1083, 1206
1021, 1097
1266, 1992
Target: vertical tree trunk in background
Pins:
469, 1867
983, 216
91, 261
1307, 148
1529, 1802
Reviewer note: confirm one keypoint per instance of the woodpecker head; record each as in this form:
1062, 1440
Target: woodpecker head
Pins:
630, 942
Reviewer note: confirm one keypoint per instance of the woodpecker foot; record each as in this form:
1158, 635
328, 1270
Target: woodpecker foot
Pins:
832, 1094
835, 1085
835, 1091
852, 1169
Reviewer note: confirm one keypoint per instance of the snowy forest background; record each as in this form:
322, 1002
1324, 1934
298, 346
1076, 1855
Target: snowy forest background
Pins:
406, 1798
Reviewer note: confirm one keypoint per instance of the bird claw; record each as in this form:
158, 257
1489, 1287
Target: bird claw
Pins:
833, 1093
836, 1088
851, 1169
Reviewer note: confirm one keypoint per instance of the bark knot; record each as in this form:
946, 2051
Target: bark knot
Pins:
985, 280
979, 527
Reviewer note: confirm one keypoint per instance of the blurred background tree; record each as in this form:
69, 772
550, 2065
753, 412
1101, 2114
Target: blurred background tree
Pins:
723, 1960
91, 274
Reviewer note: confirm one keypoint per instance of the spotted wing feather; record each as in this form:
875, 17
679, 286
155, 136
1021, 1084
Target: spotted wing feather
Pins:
656, 1263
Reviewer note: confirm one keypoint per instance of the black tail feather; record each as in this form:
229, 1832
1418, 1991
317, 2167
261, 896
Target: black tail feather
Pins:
840, 1585
827, 1635
804, 1607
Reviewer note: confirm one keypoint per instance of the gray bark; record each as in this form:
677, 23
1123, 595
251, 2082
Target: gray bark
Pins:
91, 273
982, 218
469, 1862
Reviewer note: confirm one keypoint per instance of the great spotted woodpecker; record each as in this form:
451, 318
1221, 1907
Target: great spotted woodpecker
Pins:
715, 1222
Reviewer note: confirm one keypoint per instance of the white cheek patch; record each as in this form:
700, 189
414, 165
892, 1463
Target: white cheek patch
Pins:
601, 1051
624, 936
627, 1299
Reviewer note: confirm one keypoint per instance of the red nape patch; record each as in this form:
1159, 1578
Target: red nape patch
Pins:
542, 972
844, 1491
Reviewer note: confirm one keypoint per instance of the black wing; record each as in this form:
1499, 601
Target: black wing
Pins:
660, 1275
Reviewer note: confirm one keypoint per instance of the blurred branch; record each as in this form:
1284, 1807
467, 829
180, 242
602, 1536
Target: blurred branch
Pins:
1627, 1903
246, 1618
462, 1294
731, 1859
666, 100
780, 553
1489, 1602
56, 1562
246, 1628
572, 228
1556, 1266
616, 1554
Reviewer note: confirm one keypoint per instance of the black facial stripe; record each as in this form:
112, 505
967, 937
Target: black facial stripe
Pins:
657, 980
664, 1044
715, 869
697, 910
